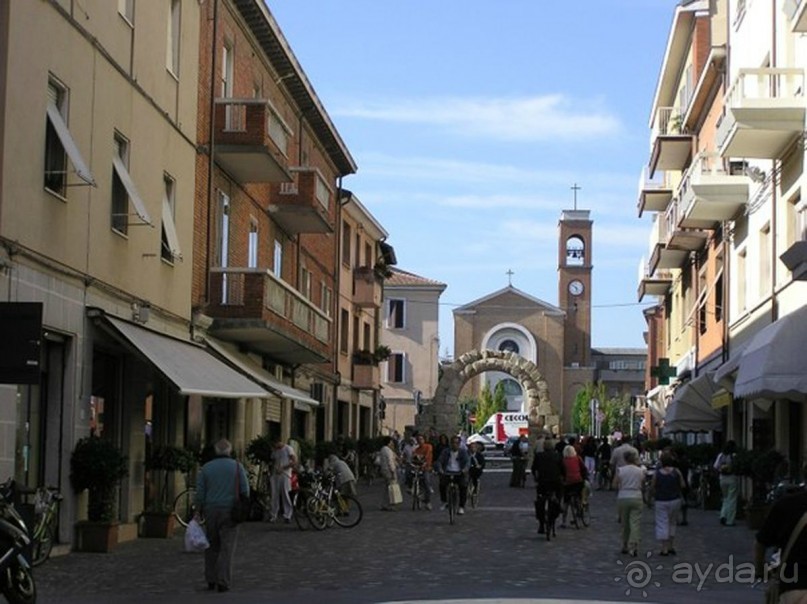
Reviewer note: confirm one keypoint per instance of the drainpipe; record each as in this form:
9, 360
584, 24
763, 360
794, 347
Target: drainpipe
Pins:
336, 314
774, 184
695, 276
210, 161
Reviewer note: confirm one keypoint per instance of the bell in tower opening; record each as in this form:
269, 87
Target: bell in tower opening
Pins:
575, 251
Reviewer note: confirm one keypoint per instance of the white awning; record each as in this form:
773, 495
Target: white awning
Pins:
774, 364
244, 364
70, 147
169, 228
189, 366
131, 190
691, 408
726, 373
657, 401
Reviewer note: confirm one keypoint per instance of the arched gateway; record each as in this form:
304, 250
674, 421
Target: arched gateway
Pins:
443, 412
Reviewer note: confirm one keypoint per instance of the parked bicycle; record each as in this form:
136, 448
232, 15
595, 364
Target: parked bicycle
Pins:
46, 508
327, 506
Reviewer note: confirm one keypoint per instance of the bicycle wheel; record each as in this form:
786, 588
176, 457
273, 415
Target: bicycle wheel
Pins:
317, 510
348, 511
42, 546
584, 513
184, 507
416, 494
452, 502
300, 515
475, 495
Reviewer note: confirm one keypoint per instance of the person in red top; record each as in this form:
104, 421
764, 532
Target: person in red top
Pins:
423, 455
574, 475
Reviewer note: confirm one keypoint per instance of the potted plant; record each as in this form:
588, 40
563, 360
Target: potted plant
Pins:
764, 468
381, 353
158, 518
97, 466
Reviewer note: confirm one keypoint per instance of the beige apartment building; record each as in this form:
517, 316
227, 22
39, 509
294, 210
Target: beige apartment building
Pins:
365, 264
741, 168
410, 331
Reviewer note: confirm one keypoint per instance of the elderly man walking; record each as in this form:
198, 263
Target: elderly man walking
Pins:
219, 482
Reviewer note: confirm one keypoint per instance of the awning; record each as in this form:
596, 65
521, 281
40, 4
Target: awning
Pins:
657, 401
131, 190
243, 363
69, 145
774, 365
691, 408
725, 374
189, 366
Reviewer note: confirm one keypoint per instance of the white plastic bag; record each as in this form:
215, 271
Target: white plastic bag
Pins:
195, 538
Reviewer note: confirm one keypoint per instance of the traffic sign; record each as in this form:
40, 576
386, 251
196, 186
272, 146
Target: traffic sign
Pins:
472, 418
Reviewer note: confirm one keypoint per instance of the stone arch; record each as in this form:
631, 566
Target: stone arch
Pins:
442, 413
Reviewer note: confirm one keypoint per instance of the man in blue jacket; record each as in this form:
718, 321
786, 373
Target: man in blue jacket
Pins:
217, 485
453, 464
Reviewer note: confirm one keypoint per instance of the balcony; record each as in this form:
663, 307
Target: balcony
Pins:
365, 377
251, 141
654, 193
764, 113
678, 237
664, 251
709, 194
366, 288
253, 306
796, 11
653, 284
670, 147
304, 205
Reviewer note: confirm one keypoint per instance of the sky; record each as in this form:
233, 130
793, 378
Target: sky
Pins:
470, 121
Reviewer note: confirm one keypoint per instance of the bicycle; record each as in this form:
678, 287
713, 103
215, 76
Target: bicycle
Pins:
418, 487
547, 510
46, 508
453, 496
327, 506
184, 506
473, 492
580, 511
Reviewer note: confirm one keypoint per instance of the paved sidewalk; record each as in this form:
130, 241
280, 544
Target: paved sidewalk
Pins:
492, 552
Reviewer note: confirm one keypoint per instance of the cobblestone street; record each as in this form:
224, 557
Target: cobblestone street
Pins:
492, 552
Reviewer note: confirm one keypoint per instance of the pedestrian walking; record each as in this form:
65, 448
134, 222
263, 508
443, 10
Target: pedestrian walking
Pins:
629, 484
283, 461
667, 487
724, 464
218, 484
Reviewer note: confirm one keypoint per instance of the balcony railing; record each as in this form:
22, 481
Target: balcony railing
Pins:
653, 283
246, 295
303, 205
764, 113
670, 144
366, 287
251, 140
365, 377
654, 192
709, 193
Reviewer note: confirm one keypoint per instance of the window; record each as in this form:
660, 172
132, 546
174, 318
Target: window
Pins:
575, 251
252, 243
172, 51
226, 82
222, 241
395, 318
169, 249
344, 329
326, 298
305, 282
764, 260
395, 368
796, 221
124, 190
126, 10
509, 346
345, 244
368, 255
367, 343
356, 332
277, 265
59, 143
357, 251
742, 280
719, 298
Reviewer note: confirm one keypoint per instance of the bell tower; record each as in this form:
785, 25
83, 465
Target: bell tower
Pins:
574, 283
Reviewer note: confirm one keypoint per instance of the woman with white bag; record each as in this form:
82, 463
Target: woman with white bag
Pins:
392, 495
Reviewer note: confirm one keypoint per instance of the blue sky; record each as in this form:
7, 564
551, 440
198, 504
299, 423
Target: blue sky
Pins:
470, 121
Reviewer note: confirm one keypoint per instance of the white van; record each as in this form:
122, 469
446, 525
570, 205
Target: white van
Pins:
499, 427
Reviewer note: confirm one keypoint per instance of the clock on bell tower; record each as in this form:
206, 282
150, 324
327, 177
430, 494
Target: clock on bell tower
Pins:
574, 284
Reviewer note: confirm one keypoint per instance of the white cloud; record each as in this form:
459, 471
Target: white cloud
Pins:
552, 117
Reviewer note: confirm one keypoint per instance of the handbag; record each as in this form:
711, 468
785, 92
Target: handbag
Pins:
773, 591
394, 492
240, 510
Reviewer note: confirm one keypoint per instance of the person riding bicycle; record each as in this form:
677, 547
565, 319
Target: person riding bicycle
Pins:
454, 464
574, 476
548, 480
477, 463
423, 459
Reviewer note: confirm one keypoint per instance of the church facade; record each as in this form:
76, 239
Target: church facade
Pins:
556, 338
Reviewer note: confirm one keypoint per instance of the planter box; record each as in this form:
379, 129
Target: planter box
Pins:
158, 525
99, 537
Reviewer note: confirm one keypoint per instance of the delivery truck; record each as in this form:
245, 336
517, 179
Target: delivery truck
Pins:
501, 426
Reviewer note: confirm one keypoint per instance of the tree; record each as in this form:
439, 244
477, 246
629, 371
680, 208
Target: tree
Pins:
581, 411
499, 397
618, 415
